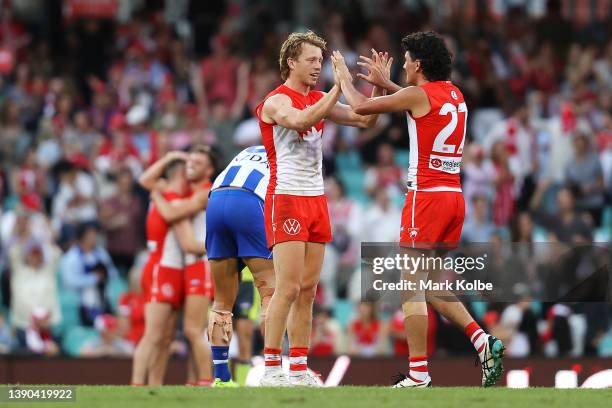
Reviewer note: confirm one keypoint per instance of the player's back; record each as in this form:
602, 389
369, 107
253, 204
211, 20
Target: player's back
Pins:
296, 158
199, 226
249, 170
162, 243
437, 139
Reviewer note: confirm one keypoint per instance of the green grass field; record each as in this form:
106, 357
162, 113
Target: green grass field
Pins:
371, 397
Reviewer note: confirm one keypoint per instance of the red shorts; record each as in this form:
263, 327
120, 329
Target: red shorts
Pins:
296, 218
198, 279
162, 284
432, 217
146, 278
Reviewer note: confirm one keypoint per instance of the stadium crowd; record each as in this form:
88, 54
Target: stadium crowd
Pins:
85, 110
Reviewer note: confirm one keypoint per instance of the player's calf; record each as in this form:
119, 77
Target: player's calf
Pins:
219, 332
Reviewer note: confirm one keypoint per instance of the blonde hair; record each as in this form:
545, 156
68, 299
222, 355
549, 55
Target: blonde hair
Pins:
292, 48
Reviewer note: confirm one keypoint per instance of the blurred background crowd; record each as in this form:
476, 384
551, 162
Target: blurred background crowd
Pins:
91, 93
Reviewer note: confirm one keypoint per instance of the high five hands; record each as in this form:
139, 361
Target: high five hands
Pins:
378, 67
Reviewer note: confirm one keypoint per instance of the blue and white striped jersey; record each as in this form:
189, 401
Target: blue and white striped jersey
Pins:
249, 170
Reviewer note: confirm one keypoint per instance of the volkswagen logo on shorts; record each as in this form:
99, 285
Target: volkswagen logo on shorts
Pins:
292, 226
436, 163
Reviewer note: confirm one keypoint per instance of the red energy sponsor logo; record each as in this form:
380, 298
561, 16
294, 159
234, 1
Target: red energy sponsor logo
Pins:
450, 165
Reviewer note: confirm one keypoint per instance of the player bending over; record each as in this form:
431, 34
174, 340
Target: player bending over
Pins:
434, 209
235, 230
291, 119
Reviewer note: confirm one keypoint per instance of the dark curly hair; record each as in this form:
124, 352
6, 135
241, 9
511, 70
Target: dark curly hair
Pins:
430, 49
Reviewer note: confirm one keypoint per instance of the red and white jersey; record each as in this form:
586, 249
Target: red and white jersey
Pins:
436, 140
296, 158
162, 243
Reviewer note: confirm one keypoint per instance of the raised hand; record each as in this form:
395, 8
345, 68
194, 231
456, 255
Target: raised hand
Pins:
378, 67
341, 70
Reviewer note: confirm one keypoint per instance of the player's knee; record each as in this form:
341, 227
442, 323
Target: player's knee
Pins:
308, 292
288, 293
157, 338
193, 332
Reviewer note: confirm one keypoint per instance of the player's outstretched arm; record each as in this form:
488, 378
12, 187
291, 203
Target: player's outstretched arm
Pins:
278, 109
179, 209
407, 99
186, 238
149, 178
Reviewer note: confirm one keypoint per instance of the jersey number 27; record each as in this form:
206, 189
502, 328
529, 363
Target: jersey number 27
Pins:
439, 144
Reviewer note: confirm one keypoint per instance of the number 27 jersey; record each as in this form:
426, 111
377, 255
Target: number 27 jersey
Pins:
437, 139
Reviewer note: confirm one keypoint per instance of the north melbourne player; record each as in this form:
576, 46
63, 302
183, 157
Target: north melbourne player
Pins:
434, 208
235, 231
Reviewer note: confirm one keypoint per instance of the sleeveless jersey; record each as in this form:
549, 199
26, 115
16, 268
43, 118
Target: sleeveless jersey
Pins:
296, 158
437, 139
162, 243
249, 170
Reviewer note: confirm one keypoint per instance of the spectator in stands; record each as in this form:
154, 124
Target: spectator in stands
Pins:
565, 224
478, 228
119, 215
37, 337
381, 221
29, 181
219, 75
585, 179
365, 332
326, 338
34, 282
385, 174
142, 137
132, 305
75, 200
476, 176
109, 342
15, 138
86, 269
342, 254
517, 326
118, 150
503, 181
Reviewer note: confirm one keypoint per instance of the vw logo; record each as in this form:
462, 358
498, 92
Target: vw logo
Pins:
292, 226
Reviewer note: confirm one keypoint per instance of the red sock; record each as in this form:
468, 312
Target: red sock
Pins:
133, 384
418, 368
204, 382
476, 336
272, 357
298, 360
